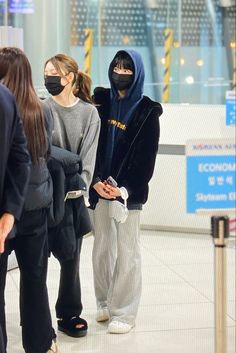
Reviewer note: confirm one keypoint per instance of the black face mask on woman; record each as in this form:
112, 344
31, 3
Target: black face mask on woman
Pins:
122, 81
53, 85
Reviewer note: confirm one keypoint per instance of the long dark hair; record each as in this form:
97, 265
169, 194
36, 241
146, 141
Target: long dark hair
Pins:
82, 82
16, 74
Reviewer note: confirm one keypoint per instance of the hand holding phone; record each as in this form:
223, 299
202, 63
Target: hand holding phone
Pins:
112, 187
111, 181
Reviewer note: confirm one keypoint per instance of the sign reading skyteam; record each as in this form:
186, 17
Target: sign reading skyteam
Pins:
211, 169
230, 108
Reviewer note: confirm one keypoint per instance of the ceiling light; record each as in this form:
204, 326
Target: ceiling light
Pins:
200, 62
189, 80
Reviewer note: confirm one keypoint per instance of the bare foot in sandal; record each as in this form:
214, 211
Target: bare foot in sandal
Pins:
74, 327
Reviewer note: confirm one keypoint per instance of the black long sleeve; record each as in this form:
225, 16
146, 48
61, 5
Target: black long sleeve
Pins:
14, 157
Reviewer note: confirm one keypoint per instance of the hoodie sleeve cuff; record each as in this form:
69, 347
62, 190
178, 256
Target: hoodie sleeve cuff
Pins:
124, 193
95, 181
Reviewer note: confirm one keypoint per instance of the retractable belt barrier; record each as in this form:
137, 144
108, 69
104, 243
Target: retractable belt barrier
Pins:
220, 234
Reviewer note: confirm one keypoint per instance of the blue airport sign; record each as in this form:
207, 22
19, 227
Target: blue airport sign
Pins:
211, 167
230, 108
21, 6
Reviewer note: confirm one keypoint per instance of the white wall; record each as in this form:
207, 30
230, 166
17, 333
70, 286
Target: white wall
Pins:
166, 206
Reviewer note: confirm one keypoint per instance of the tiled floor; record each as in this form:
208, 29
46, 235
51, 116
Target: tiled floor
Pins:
176, 313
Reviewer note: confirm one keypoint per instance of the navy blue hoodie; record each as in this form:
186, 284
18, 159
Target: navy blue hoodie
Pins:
122, 109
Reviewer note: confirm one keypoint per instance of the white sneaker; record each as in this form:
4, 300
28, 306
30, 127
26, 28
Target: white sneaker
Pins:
53, 348
102, 315
119, 327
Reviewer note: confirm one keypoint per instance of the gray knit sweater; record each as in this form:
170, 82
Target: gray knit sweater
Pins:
76, 129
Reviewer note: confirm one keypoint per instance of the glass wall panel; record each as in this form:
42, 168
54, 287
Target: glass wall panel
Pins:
202, 51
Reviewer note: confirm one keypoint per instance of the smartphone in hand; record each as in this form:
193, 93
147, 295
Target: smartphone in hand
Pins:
111, 181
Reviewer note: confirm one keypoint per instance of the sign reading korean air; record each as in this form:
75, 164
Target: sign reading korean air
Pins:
211, 171
230, 108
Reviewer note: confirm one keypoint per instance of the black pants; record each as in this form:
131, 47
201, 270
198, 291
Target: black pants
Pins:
69, 296
31, 248
2, 348
3, 271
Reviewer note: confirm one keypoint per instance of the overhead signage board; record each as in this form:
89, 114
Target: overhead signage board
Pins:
21, 6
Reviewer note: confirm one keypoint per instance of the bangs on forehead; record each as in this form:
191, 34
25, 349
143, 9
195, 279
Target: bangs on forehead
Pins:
124, 61
57, 66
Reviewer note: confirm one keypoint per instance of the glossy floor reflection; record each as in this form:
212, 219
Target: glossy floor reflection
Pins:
176, 313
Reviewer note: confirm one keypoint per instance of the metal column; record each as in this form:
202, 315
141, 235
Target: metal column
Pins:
46, 33
149, 6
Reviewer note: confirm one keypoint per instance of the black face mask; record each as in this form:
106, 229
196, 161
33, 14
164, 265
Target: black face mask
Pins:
122, 81
53, 85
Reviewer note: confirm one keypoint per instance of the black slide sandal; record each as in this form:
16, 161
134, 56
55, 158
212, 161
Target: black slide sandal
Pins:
68, 326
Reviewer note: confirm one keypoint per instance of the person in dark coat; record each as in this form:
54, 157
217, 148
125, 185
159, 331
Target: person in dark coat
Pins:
14, 177
69, 216
31, 240
125, 162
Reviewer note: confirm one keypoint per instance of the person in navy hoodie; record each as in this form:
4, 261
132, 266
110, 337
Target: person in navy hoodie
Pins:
125, 162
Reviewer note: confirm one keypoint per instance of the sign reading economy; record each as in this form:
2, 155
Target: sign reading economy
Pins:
211, 167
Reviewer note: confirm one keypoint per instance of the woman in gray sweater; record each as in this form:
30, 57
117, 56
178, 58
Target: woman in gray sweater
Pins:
76, 128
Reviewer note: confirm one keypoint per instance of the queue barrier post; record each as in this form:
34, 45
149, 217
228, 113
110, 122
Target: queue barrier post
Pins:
220, 233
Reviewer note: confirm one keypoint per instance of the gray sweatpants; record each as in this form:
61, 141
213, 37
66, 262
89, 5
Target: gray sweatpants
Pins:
117, 263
